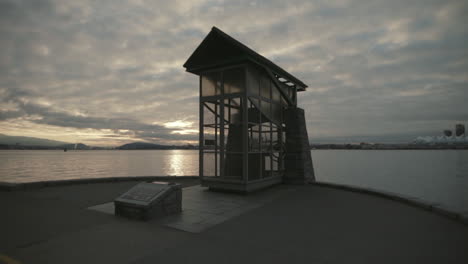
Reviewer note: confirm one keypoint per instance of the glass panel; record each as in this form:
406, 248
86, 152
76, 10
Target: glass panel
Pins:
253, 82
265, 108
235, 111
208, 115
284, 102
209, 138
275, 94
233, 130
264, 86
274, 161
233, 138
283, 137
266, 137
209, 164
211, 84
254, 138
233, 166
227, 110
253, 112
234, 80
276, 145
276, 113
290, 91
226, 134
267, 160
255, 166
218, 164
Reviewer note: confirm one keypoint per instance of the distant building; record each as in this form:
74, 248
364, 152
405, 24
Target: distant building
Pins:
459, 130
448, 133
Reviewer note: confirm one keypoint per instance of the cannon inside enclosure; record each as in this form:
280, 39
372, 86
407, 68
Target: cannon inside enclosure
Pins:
245, 143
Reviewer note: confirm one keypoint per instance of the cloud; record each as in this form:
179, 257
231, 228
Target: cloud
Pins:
378, 67
45, 114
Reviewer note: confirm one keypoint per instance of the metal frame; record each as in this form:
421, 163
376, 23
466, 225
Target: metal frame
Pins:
268, 152
218, 52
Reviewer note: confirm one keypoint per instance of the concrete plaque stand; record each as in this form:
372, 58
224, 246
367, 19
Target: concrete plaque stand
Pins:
147, 200
298, 161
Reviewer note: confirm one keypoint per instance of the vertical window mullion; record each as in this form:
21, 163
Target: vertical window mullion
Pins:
222, 150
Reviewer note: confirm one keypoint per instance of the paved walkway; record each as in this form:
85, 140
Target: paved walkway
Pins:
203, 209
298, 224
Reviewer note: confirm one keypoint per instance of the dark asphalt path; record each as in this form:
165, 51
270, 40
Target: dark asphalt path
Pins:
312, 224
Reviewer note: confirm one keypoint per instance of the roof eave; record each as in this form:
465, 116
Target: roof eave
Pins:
261, 59
251, 55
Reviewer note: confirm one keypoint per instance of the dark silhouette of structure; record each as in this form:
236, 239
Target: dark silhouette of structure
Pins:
459, 130
252, 134
448, 133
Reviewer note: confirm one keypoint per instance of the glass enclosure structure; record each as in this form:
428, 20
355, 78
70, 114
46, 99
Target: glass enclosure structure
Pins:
241, 116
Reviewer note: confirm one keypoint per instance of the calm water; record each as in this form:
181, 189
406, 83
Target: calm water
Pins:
436, 176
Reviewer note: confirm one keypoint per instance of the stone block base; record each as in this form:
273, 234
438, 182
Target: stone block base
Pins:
149, 200
298, 161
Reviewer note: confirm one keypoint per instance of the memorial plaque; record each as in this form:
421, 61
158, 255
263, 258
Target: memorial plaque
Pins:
144, 192
146, 200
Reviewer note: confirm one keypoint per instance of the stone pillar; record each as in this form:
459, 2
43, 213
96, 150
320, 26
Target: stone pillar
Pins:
297, 161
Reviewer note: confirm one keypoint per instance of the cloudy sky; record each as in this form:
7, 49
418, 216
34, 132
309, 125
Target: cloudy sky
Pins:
110, 72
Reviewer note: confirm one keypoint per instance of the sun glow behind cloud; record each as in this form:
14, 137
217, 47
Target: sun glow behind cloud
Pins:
183, 127
178, 124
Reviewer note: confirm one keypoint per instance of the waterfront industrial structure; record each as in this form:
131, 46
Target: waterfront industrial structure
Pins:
459, 137
459, 130
252, 134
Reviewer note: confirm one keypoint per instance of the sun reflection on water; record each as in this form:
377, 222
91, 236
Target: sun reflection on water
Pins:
175, 162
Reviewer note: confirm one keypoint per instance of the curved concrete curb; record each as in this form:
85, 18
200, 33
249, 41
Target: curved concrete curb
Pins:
7, 186
400, 198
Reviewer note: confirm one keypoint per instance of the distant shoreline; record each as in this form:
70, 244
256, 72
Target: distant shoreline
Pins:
93, 148
365, 146
312, 147
85, 147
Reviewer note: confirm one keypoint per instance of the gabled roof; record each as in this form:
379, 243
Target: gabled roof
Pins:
218, 49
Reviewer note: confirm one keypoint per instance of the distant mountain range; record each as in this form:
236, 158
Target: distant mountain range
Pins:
144, 145
29, 141
17, 142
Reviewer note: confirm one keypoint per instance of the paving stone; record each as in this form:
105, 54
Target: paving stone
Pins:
203, 209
